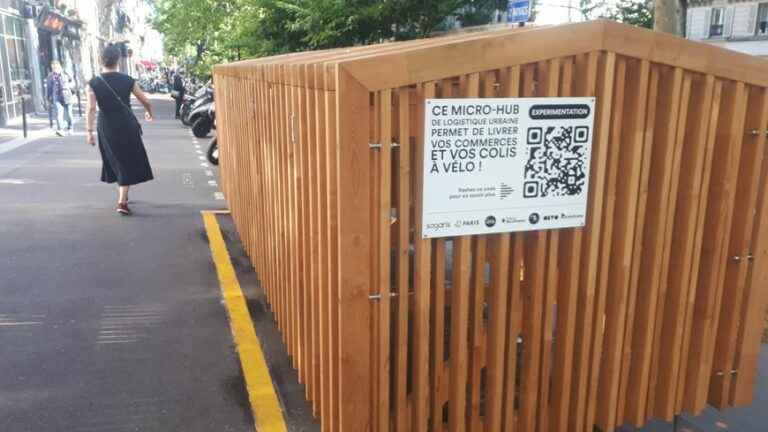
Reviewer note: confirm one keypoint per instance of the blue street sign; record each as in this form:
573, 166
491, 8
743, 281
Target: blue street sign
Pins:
518, 11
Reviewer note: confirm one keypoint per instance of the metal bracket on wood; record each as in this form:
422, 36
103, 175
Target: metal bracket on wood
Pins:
378, 296
755, 132
750, 257
721, 373
377, 146
736, 258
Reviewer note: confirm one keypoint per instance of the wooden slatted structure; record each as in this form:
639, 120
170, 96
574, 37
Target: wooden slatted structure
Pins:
653, 308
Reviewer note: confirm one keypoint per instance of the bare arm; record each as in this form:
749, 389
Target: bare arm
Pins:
90, 120
139, 93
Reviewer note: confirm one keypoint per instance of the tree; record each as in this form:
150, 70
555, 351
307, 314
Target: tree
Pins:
212, 31
670, 16
634, 12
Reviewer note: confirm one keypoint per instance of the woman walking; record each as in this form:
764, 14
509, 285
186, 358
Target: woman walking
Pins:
124, 160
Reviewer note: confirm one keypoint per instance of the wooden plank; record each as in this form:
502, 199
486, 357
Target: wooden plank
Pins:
497, 327
550, 80
754, 304
514, 324
374, 114
697, 380
741, 217
403, 256
422, 277
605, 248
476, 330
714, 248
666, 85
580, 77
637, 252
670, 325
685, 251
382, 223
460, 314
334, 280
354, 249
625, 222
585, 316
439, 385
324, 247
532, 289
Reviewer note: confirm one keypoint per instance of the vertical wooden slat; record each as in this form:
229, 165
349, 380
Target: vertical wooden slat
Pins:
382, 222
669, 327
499, 334
585, 316
686, 252
583, 70
661, 132
756, 297
403, 256
422, 277
697, 379
742, 211
625, 221
324, 249
549, 81
460, 314
334, 277
599, 323
532, 288
354, 250
712, 275
476, 330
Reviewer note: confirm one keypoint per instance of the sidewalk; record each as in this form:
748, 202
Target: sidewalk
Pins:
38, 126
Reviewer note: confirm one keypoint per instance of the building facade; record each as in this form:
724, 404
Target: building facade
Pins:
737, 25
35, 33
16, 51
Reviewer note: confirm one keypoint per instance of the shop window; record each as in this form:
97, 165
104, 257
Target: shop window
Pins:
762, 19
717, 22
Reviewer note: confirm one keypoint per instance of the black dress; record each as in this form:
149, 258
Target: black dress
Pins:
124, 159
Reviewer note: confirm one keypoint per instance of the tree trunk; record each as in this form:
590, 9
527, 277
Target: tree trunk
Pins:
669, 16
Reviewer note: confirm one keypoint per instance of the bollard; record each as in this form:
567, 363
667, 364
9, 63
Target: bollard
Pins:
24, 115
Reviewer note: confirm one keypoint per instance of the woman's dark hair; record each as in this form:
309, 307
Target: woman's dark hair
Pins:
110, 56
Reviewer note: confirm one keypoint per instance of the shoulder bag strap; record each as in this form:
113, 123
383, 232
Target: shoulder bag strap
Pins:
116, 95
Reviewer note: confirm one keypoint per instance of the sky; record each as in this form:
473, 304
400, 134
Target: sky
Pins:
556, 11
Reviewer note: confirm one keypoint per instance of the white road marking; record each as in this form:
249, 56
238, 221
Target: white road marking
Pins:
218, 195
209, 173
212, 183
201, 157
204, 165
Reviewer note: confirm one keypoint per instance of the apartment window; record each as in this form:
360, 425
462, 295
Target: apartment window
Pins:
717, 22
762, 19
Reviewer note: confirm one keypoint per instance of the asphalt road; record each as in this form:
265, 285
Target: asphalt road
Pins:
111, 323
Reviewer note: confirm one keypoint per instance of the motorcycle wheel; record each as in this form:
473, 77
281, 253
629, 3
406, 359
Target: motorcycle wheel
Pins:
202, 127
213, 152
185, 115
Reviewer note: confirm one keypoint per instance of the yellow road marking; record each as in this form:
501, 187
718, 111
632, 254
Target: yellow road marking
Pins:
261, 392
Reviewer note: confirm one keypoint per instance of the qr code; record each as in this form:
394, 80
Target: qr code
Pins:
556, 159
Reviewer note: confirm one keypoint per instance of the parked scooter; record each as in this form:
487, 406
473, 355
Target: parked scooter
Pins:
202, 96
203, 118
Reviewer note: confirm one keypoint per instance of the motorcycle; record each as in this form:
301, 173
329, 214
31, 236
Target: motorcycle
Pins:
213, 152
198, 106
203, 118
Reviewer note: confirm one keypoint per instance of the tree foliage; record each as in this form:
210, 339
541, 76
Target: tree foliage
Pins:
635, 12
212, 31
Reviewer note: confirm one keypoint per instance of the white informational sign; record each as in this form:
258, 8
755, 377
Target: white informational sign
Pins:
500, 165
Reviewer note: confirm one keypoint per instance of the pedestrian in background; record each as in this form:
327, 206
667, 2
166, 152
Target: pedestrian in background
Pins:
124, 159
178, 92
59, 94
